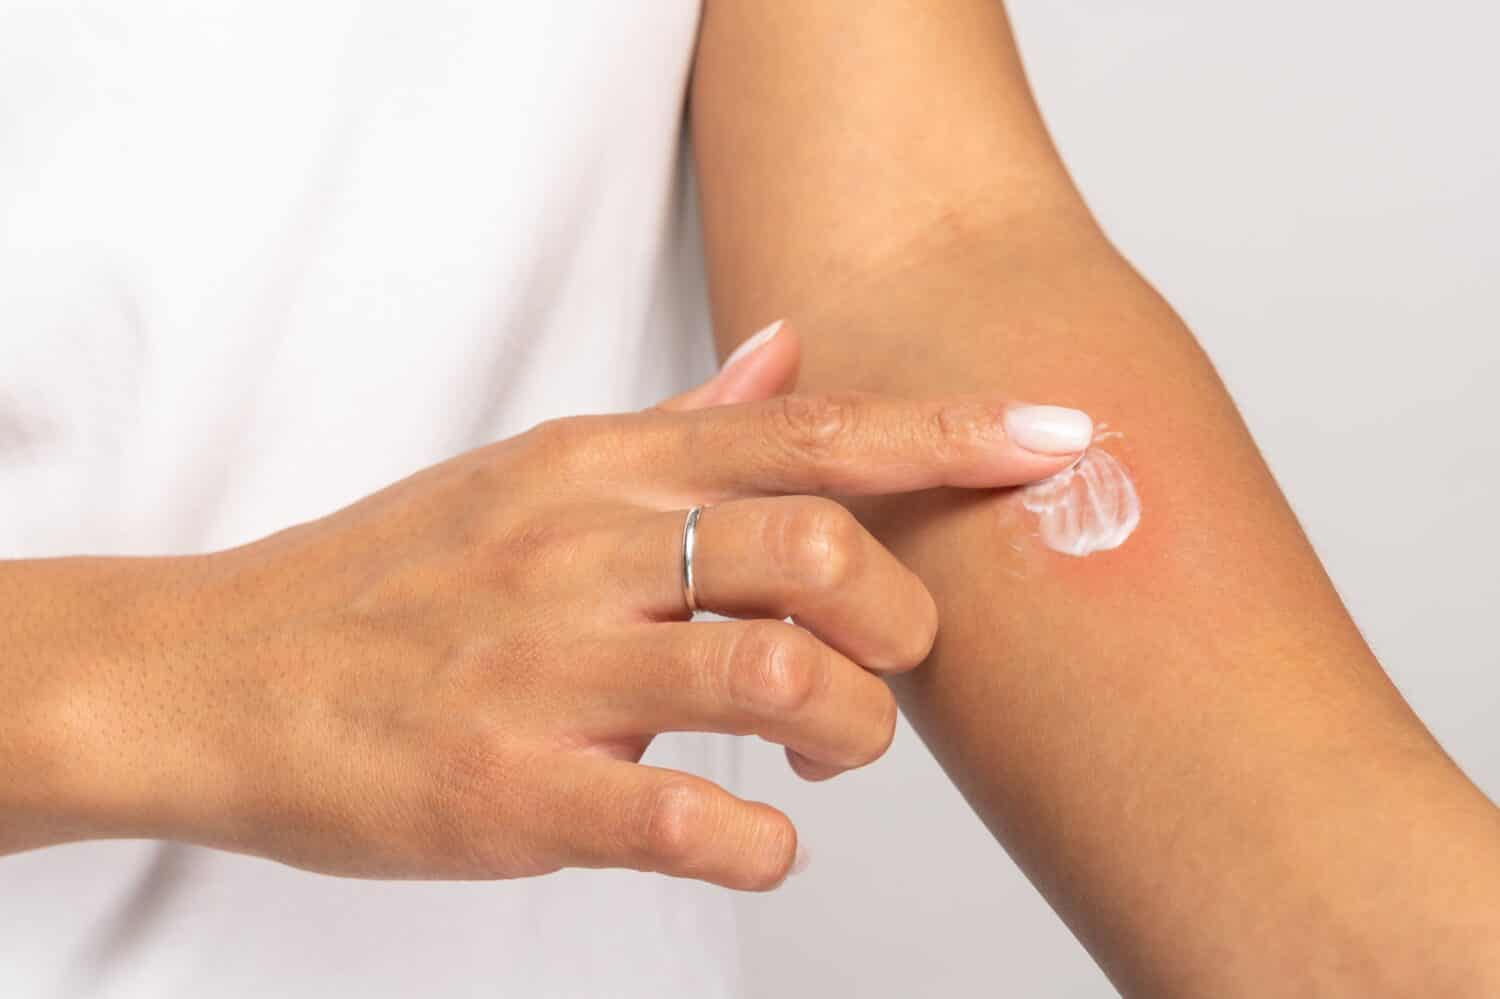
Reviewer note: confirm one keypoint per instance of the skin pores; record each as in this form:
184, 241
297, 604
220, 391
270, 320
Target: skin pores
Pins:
1089, 507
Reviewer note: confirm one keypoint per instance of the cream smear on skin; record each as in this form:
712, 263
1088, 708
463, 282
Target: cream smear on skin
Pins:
1090, 506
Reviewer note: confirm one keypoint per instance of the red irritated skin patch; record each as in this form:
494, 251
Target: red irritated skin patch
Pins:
1090, 506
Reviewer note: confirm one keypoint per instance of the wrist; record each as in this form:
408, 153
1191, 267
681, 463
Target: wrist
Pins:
49, 633
89, 704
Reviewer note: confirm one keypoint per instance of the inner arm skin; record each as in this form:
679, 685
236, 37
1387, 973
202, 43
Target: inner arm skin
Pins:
1184, 742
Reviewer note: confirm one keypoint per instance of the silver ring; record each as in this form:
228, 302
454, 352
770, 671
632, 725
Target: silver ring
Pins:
689, 539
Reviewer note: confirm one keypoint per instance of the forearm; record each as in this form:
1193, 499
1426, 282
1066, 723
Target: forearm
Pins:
90, 746
49, 631
1184, 741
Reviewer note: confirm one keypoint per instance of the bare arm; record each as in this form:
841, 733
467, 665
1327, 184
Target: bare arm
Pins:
456, 676
1184, 741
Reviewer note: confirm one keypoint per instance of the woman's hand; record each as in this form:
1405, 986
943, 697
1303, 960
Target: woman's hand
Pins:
455, 677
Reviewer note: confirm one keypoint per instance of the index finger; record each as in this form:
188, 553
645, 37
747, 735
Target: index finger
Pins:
848, 444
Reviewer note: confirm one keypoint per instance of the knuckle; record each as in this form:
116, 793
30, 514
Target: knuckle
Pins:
879, 734
773, 856
555, 436
950, 430
915, 643
814, 425
820, 545
675, 818
543, 554
771, 672
534, 556
570, 444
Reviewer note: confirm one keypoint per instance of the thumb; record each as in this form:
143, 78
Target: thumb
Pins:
763, 366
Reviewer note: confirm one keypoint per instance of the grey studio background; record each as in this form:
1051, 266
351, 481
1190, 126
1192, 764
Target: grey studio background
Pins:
1316, 187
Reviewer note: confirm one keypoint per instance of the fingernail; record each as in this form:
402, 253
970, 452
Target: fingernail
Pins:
799, 862
1049, 429
753, 344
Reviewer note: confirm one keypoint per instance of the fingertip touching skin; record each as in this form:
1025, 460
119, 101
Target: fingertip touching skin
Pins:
844, 443
1090, 506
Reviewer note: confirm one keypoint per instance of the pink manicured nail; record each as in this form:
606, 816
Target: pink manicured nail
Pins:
753, 344
1049, 429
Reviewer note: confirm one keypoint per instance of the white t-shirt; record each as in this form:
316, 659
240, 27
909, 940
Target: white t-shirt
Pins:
259, 258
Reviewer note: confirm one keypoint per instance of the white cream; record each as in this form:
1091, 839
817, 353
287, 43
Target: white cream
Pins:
1088, 507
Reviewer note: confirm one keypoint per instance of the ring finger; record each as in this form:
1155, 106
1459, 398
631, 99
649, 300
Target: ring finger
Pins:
803, 557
